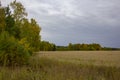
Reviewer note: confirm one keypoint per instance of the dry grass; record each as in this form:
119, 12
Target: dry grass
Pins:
66, 66
106, 58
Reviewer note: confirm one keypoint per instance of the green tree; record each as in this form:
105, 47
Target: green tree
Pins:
10, 22
84, 47
36, 38
70, 46
2, 19
18, 36
31, 31
97, 46
46, 46
18, 11
12, 52
25, 29
18, 14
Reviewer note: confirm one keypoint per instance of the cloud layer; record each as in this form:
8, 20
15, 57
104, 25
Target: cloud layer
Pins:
76, 21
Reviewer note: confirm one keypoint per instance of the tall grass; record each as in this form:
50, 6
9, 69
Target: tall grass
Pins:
50, 69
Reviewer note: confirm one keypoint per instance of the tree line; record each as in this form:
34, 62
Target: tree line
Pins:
93, 46
47, 46
84, 47
80, 47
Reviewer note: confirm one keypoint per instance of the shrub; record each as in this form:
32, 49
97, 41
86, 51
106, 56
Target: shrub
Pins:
12, 52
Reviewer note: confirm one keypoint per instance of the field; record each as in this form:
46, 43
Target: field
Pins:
67, 65
103, 58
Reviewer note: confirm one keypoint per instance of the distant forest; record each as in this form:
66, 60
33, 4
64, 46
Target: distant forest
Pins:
47, 46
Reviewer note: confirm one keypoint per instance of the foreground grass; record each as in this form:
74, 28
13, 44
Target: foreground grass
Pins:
50, 69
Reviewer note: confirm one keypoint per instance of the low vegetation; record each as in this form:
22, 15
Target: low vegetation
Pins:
51, 69
98, 58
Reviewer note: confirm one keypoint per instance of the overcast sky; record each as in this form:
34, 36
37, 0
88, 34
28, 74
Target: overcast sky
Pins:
76, 21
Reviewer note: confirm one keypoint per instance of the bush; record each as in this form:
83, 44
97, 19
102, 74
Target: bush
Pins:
12, 52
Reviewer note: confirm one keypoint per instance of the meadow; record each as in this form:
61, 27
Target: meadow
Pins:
103, 58
67, 65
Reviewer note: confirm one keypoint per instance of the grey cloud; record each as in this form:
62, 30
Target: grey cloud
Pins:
77, 21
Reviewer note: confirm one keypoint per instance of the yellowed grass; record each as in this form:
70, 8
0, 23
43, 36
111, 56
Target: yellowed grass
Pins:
106, 58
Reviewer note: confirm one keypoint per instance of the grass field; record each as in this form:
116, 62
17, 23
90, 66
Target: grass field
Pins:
103, 58
70, 65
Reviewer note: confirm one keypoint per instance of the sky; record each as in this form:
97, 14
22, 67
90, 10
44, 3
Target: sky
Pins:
76, 21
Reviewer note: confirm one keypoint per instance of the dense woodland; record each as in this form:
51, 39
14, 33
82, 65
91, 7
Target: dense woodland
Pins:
20, 37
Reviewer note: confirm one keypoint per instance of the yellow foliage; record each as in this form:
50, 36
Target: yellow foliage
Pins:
24, 42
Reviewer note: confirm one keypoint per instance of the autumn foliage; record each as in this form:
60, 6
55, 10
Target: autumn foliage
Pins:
19, 36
